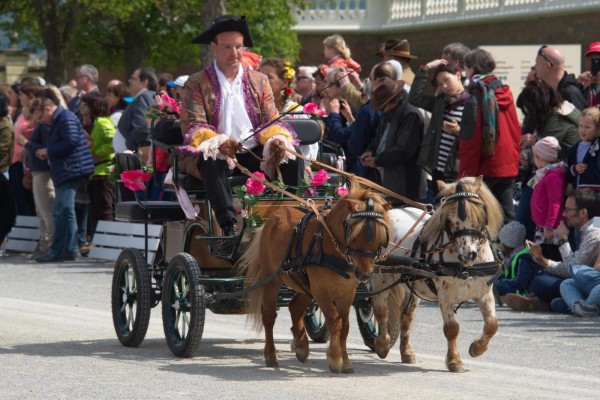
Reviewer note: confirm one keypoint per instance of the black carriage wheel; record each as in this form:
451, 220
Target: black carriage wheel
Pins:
314, 324
183, 305
368, 326
131, 297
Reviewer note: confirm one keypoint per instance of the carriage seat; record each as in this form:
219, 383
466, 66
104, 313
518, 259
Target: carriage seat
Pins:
128, 209
149, 211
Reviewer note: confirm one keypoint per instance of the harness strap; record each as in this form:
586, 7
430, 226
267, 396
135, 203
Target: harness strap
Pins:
362, 180
257, 285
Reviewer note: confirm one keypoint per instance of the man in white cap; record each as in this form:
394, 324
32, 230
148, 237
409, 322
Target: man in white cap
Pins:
177, 86
213, 122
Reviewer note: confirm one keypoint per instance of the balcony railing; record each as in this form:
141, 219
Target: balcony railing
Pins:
381, 15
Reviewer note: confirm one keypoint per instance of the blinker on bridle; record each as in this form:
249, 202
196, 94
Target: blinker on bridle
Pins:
370, 215
461, 196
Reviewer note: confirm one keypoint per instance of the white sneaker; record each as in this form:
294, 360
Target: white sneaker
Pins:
583, 309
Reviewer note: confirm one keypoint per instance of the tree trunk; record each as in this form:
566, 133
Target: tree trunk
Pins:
211, 9
134, 48
56, 20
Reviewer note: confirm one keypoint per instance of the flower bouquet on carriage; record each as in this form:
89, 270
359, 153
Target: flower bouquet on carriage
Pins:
253, 191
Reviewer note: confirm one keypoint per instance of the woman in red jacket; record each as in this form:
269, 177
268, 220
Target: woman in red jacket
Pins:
489, 130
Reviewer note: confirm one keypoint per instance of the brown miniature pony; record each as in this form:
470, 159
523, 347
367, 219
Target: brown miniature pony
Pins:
325, 262
466, 218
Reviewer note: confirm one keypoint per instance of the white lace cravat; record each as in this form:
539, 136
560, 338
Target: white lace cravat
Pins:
233, 118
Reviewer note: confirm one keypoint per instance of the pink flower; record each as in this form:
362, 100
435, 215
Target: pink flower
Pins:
169, 102
319, 178
135, 179
310, 192
320, 113
341, 191
253, 186
310, 108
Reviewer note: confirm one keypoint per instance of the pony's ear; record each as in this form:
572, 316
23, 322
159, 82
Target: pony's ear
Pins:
477, 183
387, 206
441, 185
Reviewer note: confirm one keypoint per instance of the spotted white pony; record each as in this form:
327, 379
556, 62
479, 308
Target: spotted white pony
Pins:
455, 243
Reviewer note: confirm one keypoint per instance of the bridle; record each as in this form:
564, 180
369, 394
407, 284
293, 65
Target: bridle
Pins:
371, 217
461, 197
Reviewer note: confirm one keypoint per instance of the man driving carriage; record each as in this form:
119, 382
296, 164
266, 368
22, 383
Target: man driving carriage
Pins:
228, 110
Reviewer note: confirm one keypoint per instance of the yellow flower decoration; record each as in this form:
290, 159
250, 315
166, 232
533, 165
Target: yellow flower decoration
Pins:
289, 70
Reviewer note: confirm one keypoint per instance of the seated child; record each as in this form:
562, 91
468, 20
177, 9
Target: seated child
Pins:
519, 268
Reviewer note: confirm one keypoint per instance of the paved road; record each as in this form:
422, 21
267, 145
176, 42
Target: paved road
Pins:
57, 341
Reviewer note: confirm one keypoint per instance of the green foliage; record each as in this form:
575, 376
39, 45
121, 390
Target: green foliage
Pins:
161, 29
270, 25
117, 33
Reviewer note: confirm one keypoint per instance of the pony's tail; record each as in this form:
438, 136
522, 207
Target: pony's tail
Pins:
249, 265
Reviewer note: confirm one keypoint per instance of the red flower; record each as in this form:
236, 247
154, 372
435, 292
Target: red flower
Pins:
253, 186
319, 178
135, 179
288, 91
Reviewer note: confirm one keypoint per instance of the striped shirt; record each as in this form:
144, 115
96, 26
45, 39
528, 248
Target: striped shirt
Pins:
448, 139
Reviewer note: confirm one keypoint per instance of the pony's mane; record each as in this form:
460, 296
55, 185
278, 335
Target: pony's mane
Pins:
476, 214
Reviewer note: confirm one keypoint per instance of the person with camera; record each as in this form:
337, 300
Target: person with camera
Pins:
589, 79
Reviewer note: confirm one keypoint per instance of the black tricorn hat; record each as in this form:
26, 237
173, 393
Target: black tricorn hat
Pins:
225, 23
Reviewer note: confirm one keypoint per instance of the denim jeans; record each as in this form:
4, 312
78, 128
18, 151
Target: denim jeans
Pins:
584, 284
65, 234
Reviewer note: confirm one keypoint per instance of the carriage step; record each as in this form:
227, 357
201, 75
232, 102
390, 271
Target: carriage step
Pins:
226, 247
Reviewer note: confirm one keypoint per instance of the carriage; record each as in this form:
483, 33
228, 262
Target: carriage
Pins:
193, 268
196, 268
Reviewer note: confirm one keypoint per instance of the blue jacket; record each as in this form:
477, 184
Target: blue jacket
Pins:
38, 140
355, 137
590, 179
68, 151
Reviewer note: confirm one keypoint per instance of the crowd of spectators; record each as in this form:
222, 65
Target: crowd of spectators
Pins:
403, 124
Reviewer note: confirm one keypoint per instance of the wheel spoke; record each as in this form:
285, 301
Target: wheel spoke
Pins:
176, 319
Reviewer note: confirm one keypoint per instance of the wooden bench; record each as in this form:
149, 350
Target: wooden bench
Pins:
25, 235
112, 237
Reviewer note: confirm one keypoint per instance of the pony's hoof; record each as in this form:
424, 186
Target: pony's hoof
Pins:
334, 370
456, 368
271, 363
302, 357
347, 370
475, 350
382, 353
409, 359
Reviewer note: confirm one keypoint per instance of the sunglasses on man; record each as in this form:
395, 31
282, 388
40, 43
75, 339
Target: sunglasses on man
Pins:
541, 54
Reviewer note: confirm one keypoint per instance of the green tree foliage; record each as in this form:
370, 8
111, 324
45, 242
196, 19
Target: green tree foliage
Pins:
270, 25
140, 32
126, 34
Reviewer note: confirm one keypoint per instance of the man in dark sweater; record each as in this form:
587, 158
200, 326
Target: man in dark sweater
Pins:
550, 68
